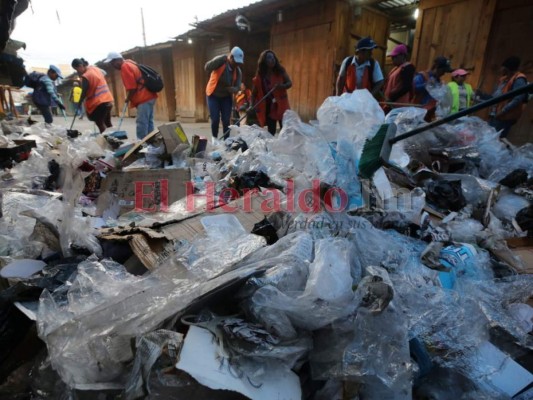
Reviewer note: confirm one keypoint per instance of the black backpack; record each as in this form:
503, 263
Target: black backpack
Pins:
152, 80
33, 79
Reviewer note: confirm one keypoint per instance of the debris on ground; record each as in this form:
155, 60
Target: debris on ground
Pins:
264, 267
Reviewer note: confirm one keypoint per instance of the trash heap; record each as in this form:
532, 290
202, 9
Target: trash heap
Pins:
274, 272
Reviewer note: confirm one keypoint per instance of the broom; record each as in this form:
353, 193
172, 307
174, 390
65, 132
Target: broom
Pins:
376, 151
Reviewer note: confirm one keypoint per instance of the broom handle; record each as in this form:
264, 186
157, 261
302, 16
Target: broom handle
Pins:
470, 110
122, 115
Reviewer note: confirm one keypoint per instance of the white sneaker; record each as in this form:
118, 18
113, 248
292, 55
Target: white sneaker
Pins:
214, 141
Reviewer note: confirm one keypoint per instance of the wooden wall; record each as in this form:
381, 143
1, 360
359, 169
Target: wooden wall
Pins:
311, 43
189, 98
477, 35
457, 29
511, 34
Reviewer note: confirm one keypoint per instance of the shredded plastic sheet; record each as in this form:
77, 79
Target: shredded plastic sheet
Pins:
87, 325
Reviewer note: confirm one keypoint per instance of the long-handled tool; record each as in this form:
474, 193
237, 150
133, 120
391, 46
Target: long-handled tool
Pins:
74, 132
251, 108
118, 134
376, 151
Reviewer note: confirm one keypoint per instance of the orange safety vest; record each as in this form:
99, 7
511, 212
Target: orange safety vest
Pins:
98, 92
394, 82
215, 77
350, 83
277, 108
515, 113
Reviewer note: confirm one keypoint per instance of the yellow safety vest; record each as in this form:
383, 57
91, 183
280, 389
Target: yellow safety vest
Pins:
454, 89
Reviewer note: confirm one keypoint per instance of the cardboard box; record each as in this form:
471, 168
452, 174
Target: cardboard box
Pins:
173, 135
523, 249
151, 190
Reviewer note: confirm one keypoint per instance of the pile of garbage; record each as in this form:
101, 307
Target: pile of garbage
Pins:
263, 267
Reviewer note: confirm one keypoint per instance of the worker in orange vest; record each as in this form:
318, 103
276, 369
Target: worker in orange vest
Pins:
505, 114
361, 71
95, 92
270, 76
224, 81
400, 80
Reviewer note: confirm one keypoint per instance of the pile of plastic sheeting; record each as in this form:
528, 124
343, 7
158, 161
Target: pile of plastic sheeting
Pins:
408, 285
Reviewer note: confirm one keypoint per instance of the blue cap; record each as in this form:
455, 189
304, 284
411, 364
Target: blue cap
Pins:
366, 44
56, 70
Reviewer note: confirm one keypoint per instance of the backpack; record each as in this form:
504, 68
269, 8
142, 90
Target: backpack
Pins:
152, 80
33, 79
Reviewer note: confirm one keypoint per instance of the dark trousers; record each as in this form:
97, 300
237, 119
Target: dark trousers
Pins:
219, 107
101, 116
271, 123
503, 126
47, 113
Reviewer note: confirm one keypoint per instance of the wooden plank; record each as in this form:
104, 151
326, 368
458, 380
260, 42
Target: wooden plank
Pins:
428, 4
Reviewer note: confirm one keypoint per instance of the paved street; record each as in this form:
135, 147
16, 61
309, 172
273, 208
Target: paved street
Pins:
128, 125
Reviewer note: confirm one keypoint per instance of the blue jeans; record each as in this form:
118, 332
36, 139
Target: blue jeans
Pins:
219, 107
145, 118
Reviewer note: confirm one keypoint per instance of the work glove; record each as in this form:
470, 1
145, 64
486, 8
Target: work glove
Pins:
60, 106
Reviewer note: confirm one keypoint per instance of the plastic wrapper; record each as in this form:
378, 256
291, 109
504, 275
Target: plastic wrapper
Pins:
442, 94
328, 292
348, 350
358, 113
376, 247
87, 325
508, 205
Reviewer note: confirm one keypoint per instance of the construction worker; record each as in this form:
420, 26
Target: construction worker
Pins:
398, 88
96, 93
421, 96
505, 114
272, 77
462, 93
361, 71
138, 95
224, 81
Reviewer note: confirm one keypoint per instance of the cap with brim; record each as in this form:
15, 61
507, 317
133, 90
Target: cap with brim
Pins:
399, 49
56, 70
238, 55
113, 56
459, 72
365, 44
444, 63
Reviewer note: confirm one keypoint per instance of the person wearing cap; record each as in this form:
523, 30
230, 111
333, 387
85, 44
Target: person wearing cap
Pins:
462, 93
360, 71
138, 96
421, 96
95, 92
45, 94
505, 114
400, 80
225, 78
270, 77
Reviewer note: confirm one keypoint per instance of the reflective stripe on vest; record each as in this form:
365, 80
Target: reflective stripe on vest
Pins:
97, 91
454, 89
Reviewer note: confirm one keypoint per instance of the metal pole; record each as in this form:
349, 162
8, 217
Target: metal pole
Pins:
144, 32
